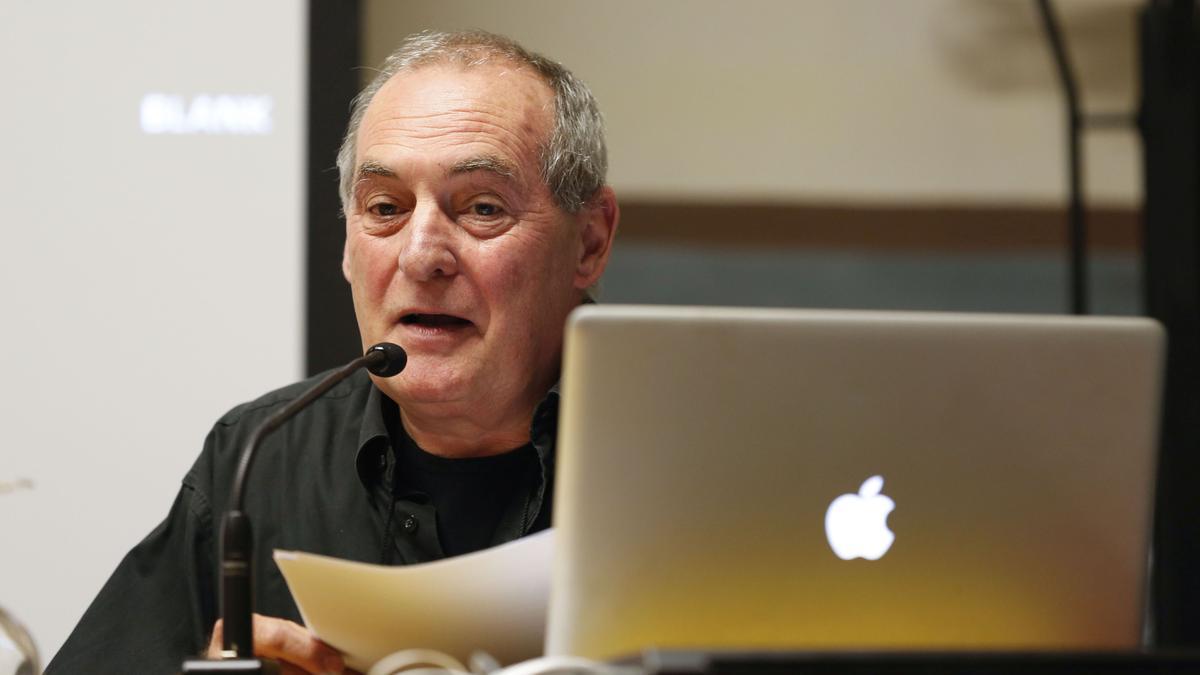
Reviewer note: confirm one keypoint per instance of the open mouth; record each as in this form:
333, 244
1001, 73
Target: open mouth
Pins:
434, 321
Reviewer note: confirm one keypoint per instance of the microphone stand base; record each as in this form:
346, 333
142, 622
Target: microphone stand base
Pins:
240, 666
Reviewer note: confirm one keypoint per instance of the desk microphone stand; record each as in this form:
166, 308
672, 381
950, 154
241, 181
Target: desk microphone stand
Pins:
237, 542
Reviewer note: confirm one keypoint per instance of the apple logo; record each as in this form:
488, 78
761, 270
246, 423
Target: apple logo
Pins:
856, 525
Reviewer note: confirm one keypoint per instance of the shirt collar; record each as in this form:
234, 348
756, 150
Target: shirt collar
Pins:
544, 427
374, 445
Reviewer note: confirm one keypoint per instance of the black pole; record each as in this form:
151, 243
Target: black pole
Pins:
1077, 227
1170, 126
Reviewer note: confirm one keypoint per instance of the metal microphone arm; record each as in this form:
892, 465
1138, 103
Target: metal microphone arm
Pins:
237, 540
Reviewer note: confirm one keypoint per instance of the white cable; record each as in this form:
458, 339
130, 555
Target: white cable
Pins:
418, 662
558, 665
483, 663
431, 662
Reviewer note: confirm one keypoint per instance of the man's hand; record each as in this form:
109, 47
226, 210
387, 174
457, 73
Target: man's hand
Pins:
287, 642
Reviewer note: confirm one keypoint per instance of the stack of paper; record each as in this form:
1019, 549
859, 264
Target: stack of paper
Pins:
493, 600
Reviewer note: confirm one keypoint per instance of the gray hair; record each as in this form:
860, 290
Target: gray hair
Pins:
574, 160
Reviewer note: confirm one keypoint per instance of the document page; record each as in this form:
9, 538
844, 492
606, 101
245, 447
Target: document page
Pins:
492, 600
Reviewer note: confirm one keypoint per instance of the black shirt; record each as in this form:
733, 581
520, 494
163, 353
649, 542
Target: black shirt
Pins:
327, 482
468, 496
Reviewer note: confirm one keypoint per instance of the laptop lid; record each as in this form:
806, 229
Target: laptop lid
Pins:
754, 478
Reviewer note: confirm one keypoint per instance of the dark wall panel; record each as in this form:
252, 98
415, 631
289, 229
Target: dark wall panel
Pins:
331, 334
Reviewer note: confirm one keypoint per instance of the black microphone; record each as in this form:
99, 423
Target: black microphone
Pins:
386, 359
237, 543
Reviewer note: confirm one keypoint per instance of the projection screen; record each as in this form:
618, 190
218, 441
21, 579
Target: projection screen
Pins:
152, 218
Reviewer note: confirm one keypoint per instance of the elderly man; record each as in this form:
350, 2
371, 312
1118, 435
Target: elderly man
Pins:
472, 179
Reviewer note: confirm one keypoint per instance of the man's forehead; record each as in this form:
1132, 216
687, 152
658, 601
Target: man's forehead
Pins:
493, 164
491, 118
491, 88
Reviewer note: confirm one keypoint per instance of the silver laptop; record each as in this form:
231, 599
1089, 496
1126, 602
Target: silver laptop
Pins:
779, 479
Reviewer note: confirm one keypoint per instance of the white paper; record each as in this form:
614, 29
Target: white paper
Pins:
493, 600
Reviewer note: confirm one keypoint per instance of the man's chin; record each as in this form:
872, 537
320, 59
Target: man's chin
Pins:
420, 384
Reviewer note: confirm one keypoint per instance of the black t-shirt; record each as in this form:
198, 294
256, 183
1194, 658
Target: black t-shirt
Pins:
468, 495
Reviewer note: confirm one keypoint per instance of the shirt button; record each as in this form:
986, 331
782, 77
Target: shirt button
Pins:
382, 461
410, 524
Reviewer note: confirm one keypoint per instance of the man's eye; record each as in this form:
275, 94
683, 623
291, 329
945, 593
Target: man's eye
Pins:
484, 209
384, 210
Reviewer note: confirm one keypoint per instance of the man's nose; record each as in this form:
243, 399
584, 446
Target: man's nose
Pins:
429, 251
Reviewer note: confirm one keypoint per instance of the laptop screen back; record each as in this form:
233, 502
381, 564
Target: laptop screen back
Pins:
734, 478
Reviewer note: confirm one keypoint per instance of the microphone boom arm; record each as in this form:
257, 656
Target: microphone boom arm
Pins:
237, 541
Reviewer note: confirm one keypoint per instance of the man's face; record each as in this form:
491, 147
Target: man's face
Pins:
455, 248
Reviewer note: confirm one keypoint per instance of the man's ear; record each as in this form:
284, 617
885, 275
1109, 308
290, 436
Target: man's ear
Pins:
599, 227
346, 259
